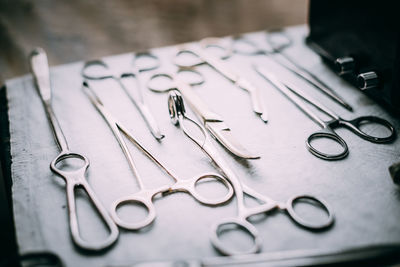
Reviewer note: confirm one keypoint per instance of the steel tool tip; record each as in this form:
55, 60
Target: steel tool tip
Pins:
264, 117
158, 136
253, 157
36, 51
348, 107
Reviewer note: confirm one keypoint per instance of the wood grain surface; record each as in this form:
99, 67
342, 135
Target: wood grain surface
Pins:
79, 30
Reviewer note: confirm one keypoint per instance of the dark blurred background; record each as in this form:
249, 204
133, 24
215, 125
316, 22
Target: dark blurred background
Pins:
80, 30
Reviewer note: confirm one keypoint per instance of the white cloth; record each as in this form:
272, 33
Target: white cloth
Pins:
358, 188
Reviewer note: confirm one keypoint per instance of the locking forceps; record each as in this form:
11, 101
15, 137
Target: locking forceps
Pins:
143, 61
145, 196
212, 121
278, 42
73, 178
295, 95
177, 114
205, 58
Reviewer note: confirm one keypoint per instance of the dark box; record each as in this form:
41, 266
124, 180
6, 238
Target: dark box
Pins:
360, 40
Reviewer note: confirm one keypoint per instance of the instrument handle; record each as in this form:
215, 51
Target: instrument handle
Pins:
76, 178
327, 133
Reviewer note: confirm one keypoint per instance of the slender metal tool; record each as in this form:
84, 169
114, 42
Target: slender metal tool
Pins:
144, 197
202, 57
73, 178
104, 72
245, 46
177, 113
294, 94
212, 121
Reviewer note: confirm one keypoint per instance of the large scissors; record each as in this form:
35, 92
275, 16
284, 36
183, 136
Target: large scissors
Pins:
212, 121
145, 196
177, 114
73, 178
278, 41
294, 94
202, 57
143, 61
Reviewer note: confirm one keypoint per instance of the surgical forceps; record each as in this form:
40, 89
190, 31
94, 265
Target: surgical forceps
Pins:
202, 57
177, 114
245, 46
143, 61
212, 121
73, 178
294, 94
145, 196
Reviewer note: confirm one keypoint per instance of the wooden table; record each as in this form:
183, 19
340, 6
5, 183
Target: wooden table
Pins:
80, 30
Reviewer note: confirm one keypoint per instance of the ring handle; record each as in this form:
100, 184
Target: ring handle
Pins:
73, 219
327, 134
355, 126
161, 87
208, 200
216, 42
193, 82
89, 64
151, 61
242, 45
181, 58
151, 212
78, 173
307, 224
76, 178
241, 225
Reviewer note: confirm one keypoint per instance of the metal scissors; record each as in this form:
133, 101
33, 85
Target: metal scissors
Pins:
145, 196
278, 41
294, 94
73, 178
143, 61
212, 121
202, 57
177, 113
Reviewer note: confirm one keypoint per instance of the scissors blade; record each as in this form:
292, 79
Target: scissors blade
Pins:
255, 94
256, 98
221, 132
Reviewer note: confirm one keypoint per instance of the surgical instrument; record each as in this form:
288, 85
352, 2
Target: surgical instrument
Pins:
202, 57
245, 46
73, 178
177, 114
143, 61
145, 196
295, 94
211, 121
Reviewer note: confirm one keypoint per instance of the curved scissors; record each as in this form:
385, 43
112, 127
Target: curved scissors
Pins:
212, 121
328, 127
278, 42
202, 57
144, 196
143, 61
73, 178
177, 113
